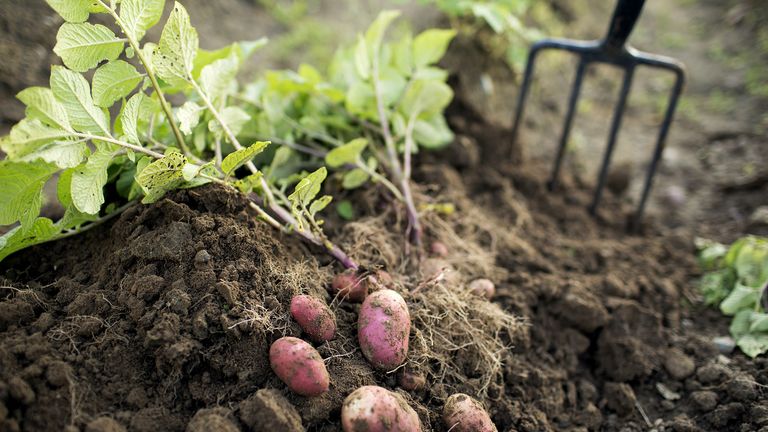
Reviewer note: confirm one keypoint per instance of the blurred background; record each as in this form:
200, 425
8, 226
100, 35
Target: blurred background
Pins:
715, 167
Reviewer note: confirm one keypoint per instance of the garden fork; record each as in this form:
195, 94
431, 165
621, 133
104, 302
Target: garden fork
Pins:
612, 50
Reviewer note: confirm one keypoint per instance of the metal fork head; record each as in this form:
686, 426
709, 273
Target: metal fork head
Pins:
614, 51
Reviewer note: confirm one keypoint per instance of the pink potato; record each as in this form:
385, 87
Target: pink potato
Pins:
349, 287
376, 409
299, 366
314, 317
411, 381
483, 288
461, 413
383, 327
439, 249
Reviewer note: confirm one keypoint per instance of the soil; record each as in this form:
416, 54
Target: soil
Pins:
162, 319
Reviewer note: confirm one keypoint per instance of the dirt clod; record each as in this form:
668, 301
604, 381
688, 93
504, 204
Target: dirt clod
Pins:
678, 365
704, 400
104, 424
620, 398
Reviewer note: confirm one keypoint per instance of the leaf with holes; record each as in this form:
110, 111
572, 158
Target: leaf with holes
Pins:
307, 189
161, 176
238, 158
174, 56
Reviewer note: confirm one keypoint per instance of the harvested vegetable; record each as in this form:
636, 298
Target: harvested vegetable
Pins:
438, 249
411, 381
383, 328
376, 409
461, 413
314, 317
482, 287
350, 287
299, 366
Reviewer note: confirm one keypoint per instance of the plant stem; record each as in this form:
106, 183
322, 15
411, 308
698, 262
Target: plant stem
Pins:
95, 223
152, 78
138, 149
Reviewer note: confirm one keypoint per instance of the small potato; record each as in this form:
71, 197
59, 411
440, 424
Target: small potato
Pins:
383, 327
349, 287
299, 366
461, 413
411, 381
482, 287
314, 317
438, 268
376, 409
438, 249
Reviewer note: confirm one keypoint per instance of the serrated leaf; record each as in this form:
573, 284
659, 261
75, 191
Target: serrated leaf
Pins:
307, 189
188, 116
249, 183
238, 158
82, 46
39, 231
161, 176
75, 11
753, 344
140, 15
174, 56
430, 46
62, 153
741, 297
42, 105
28, 135
234, 117
319, 204
114, 81
72, 91
88, 182
21, 191
354, 178
217, 79
346, 154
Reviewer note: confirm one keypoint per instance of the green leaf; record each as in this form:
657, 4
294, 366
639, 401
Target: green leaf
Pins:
740, 324
82, 46
140, 15
715, 286
375, 32
188, 116
432, 133
72, 216
88, 182
307, 189
234, 117
243, 50
360, 100
362, 59
403, 55
319, 204
430, 46
238, 158
346, 154
21, 191
62, 153
217, 79
72, 91
114, 81
42, 105
41, 230
248, 184
742, 297
75, 11
161, 176
759, 323
753, 344
345, 210
174, 56
354, 178
711, 255
28, 135
426, 98
129, 118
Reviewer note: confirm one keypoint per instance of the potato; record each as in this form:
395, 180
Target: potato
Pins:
438, 249
376, 409
411, 381
299, 366
349, 287
461, 413
314, 317
383, 327
482, 287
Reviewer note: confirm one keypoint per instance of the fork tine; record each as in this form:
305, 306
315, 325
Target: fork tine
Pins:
572, 102
527, 77
618, 114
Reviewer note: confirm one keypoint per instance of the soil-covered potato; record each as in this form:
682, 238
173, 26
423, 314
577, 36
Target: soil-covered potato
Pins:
483, 288
299, 366
383, 328
376, 409
314, 317
461, 413
349, 287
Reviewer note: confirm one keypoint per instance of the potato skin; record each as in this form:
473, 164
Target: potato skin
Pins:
299, 366
314, 317
376, 409
383, 328
483, 288
461, 413
349, 287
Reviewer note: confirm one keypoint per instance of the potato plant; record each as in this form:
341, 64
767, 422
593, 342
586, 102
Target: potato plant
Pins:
736, 279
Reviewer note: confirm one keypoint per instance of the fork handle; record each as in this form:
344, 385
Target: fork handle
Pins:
623, 21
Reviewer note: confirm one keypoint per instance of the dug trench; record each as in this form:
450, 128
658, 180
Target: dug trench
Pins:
162, 319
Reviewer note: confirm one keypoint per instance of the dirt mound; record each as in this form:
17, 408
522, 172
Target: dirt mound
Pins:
162, 320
